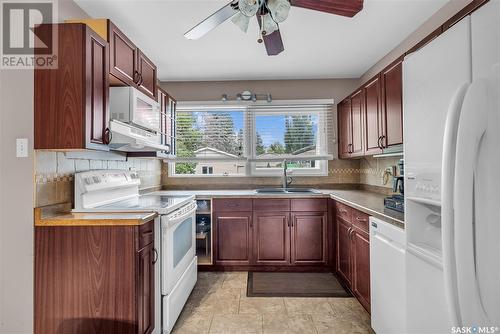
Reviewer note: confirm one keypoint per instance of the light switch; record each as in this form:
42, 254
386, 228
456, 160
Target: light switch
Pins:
22, 147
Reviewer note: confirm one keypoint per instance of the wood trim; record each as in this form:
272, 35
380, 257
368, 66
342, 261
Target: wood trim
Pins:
467, 10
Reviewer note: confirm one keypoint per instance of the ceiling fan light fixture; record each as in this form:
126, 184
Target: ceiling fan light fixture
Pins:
279, 9
249, 7
242, 21
268, 25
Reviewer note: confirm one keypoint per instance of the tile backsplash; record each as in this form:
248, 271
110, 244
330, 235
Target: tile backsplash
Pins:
54, 173
372, 170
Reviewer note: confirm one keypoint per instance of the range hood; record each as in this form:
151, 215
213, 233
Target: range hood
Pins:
129, 138
393, 151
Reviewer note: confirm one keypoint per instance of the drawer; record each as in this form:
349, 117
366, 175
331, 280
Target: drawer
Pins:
360, 220
232, 204
146, 234
271, 204
343, 211
309, 204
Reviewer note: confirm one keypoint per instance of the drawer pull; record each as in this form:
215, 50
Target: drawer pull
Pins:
361, 219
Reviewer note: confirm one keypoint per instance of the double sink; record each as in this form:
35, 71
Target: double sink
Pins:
287, 191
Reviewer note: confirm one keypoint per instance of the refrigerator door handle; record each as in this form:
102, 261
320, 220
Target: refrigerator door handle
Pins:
471, 130
447, 182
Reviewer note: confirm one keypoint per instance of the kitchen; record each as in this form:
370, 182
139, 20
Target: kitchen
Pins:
151, 183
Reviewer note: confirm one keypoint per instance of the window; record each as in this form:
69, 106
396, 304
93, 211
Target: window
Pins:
253, 139
207, 170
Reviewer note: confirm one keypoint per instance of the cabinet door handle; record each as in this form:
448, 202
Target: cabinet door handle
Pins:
141, 80
108, 136
359, 219
155, 257
136, 77
382, 145
379, 144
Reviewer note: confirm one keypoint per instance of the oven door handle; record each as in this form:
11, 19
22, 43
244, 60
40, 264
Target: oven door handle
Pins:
172, 220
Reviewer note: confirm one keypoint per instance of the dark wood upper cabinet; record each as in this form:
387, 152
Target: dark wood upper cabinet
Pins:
360, 246
123, 55
147, 75
357, 110
271, 238
233, 235
373, 127
129, 65
71, 101
392, 103
93, 279
309, 238
344, 128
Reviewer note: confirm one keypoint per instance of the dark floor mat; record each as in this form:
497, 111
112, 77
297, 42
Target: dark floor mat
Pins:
278, 284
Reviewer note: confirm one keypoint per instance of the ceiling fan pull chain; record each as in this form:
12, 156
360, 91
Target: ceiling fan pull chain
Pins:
260, 40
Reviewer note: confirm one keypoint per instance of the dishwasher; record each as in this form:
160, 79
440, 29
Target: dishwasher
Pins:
387, 277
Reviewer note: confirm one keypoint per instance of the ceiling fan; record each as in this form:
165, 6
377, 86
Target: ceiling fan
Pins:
269, 14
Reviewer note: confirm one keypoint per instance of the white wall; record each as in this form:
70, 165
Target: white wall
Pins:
16, 194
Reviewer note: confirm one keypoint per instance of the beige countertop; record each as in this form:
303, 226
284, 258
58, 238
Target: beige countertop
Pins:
46, 218
370, 203
366, 201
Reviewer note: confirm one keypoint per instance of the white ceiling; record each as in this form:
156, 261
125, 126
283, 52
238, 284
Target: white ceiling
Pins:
317, 45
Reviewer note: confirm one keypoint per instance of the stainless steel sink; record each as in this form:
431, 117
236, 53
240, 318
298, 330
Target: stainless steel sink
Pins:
287, 191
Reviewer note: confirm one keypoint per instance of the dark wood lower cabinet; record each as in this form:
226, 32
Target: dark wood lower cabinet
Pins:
271, 238
361, 266
309, 238
276, 234
233, 235
344, 249
93, 279
352, 240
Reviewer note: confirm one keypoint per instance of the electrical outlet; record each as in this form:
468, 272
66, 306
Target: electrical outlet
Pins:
22, 147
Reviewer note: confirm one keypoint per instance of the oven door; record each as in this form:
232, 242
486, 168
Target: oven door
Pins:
178, 245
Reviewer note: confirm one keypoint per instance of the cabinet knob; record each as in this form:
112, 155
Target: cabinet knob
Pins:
108, 136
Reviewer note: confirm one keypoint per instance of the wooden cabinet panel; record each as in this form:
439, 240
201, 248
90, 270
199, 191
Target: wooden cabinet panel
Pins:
344, 128
309, 238
146, 290
392, 80
357, 102
361, 267
147, 75
71, 101
343, 242
123, 56
373, 117
360, 220
309, 204
343, 211
93, 279
271, 204
97, 58
233, 238
271, 235
232, 204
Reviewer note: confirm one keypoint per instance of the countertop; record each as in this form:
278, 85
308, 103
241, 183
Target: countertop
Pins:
47, 217
368, 202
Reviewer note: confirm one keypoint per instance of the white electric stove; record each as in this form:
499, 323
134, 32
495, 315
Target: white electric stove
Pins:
176, 273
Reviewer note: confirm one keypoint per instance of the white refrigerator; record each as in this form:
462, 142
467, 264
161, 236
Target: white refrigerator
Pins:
451, 94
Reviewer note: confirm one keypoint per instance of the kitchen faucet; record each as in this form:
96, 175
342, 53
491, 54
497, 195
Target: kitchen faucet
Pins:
286, 179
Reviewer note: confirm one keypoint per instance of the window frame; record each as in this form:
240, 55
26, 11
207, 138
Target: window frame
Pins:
249, 142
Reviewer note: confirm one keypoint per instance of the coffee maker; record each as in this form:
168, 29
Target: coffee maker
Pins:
396, 201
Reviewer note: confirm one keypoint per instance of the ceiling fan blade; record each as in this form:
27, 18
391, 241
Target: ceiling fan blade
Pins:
212, 21
273, 41
347, 8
